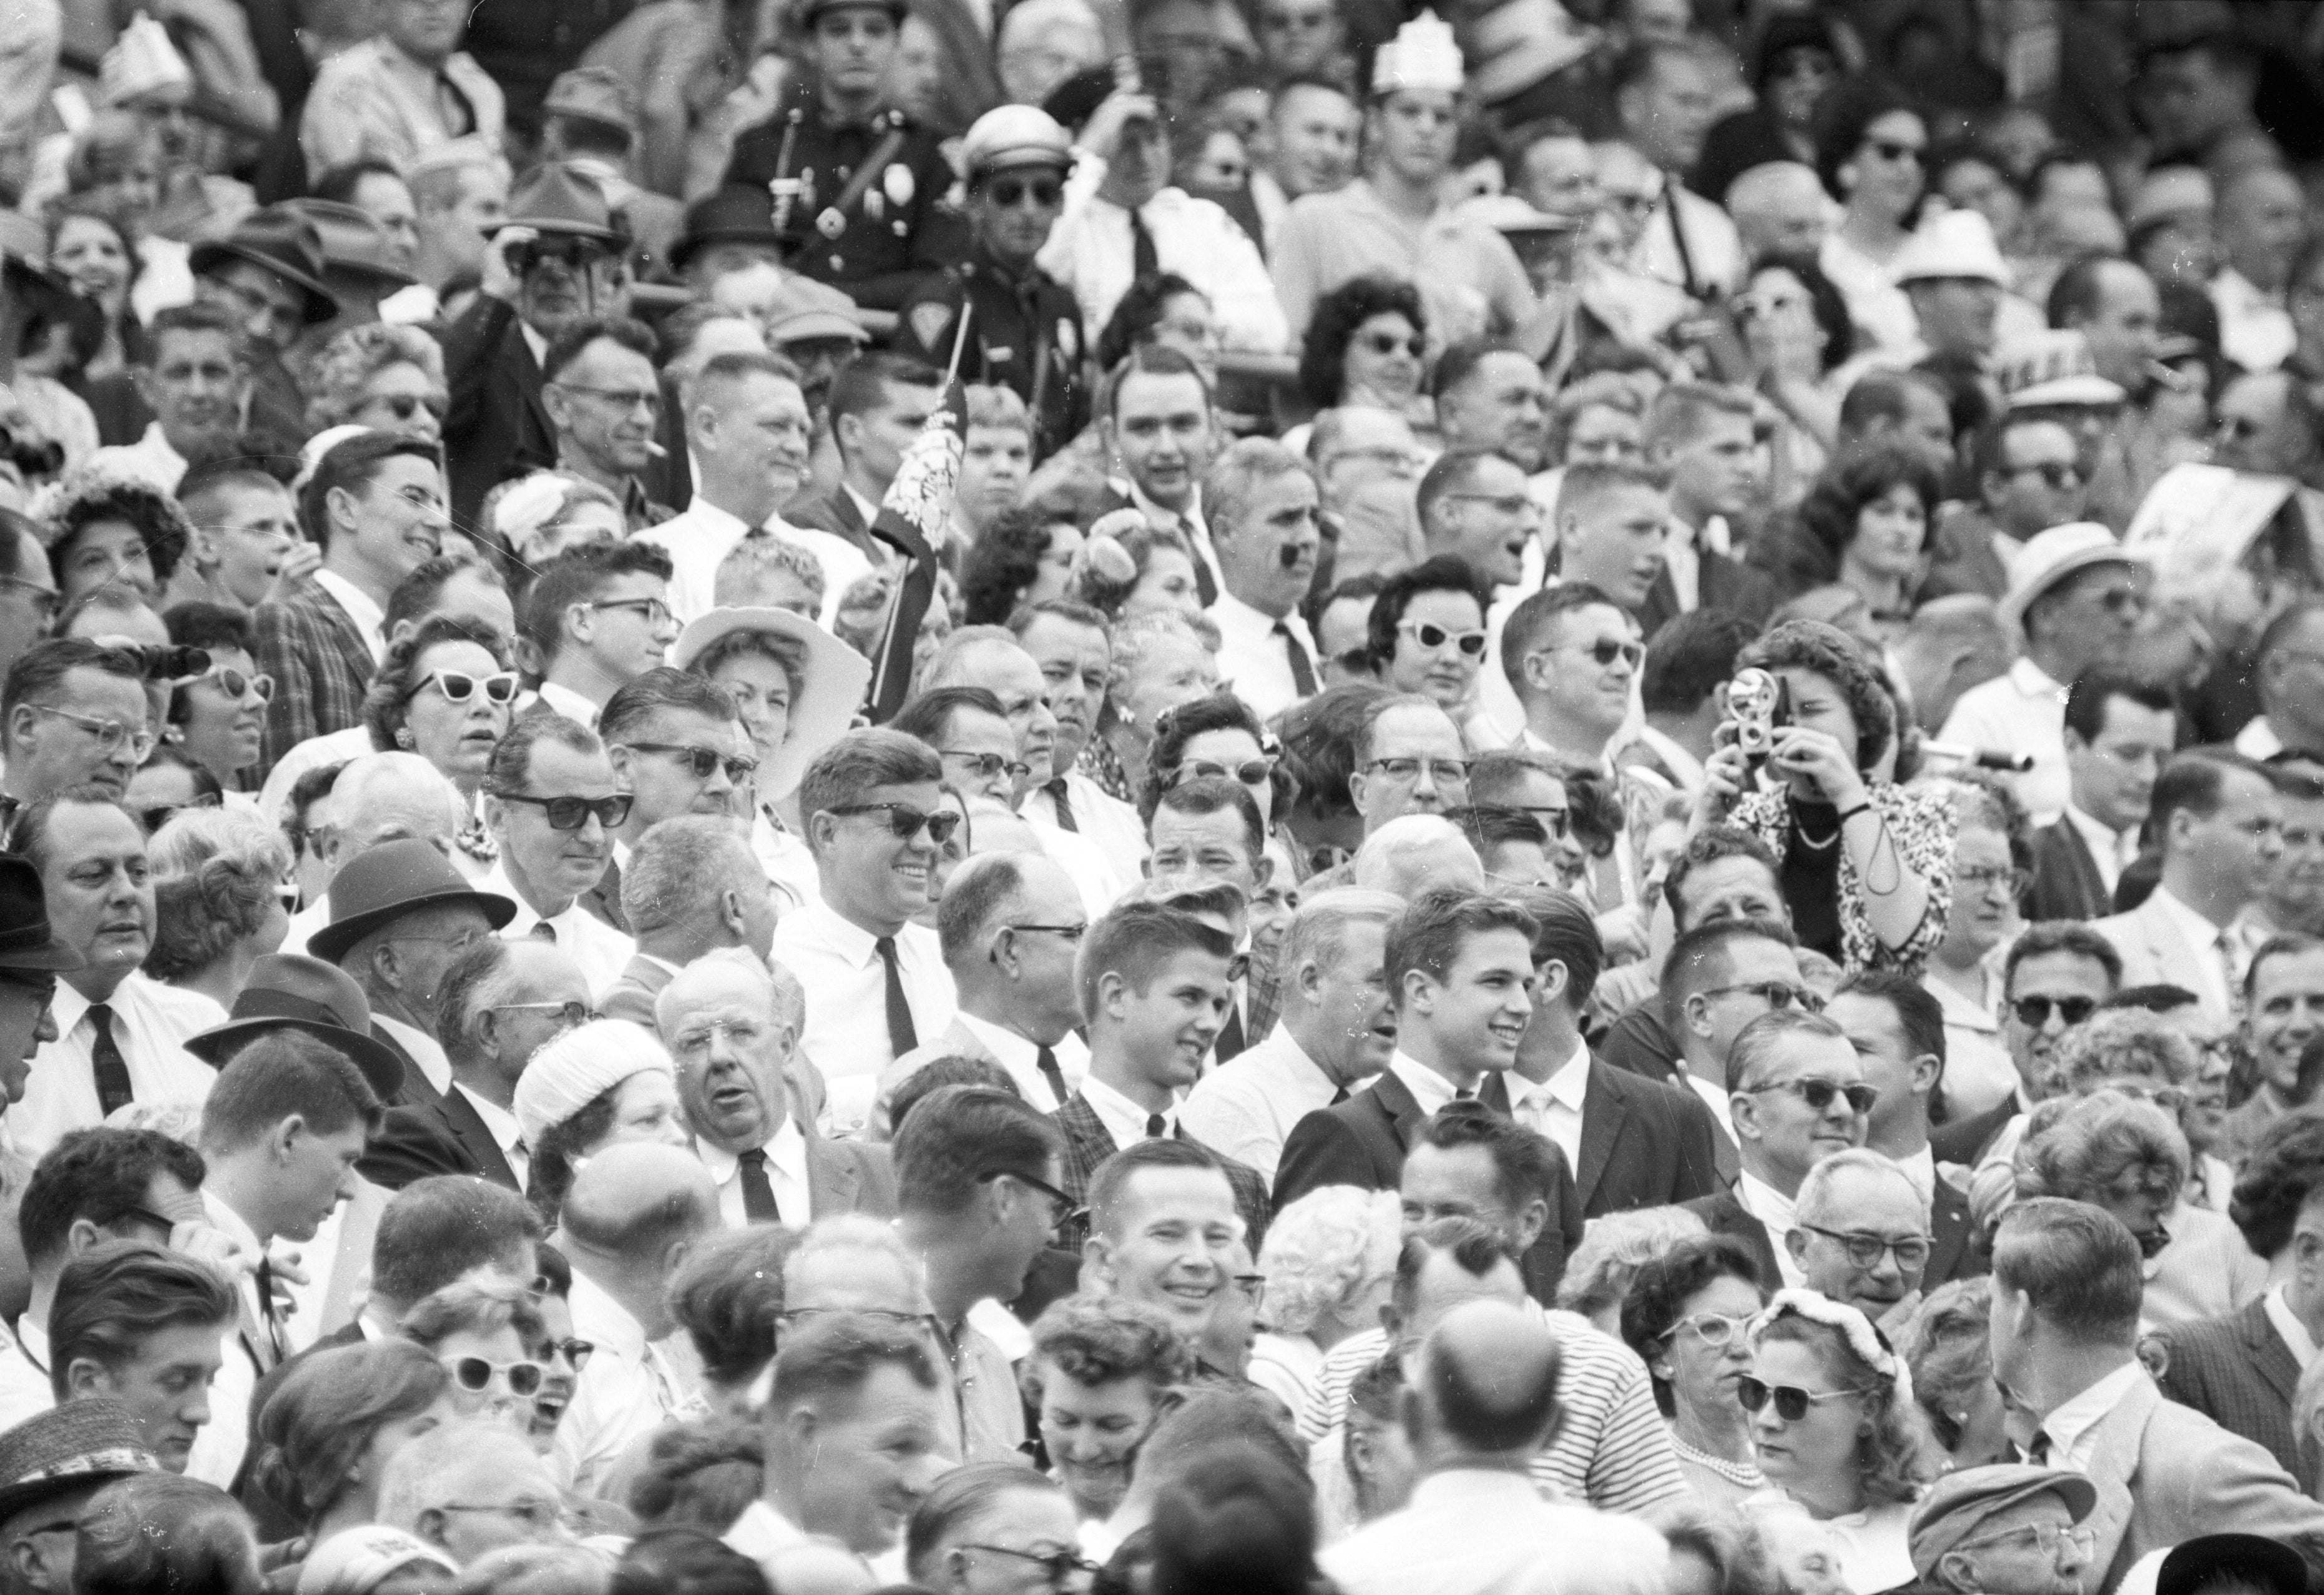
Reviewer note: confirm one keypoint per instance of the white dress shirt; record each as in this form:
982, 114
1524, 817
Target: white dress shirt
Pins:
219, 1444
785, 1153
846, 982
2025, 712
1245, 1107
627, 1389
424, 1048
601, 951
566, 702
507, 1134
1090, 250
1468, 1530
1772, 1208
2072, 1424
1124, 1119
2212, 978
2255, 330
1189, 521
1106, 820
24, 1388
1684, 561
2287, 1325
370, 619
1717, 1099
2111, 851
151, 1022
2258, 740
1253, 657
1431, 1090
1552, 1107
1023, 1059
1920, 1168
699, 540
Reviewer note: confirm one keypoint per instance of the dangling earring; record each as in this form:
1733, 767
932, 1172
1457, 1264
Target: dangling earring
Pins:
403, 737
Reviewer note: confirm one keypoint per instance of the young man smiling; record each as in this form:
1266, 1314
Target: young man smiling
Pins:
1155, 422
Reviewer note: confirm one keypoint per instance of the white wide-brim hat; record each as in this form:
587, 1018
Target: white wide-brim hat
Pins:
837, 677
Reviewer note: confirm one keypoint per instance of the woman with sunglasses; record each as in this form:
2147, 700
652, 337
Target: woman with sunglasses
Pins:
218, 899
389, 379
1426, 633
1685, 1316
1992, 859
1367, 344
1216, 735
1865, 865
1869, 150
445, 693
1837, 1433
325, 1438
995, 1528
484, 1333
216, 718
603, 1082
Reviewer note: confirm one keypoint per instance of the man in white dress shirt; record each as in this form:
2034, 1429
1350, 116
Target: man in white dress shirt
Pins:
1263, 507
1156, 421
1068, 642
1009, 925
633, 1213
63, 690
748, 434
196, 381
1337, 1029
2263, 223
1576, 654
119, 1034
875, 982
550, 801
599, 616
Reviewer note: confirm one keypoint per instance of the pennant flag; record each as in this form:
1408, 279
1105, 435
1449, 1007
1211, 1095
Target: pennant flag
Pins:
912, 516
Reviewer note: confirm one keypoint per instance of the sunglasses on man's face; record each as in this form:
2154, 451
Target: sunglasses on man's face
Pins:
701, 761
570, 813
1889, 150
1818, 1094
1009, 193
2034, 1012
904, 821
404, 406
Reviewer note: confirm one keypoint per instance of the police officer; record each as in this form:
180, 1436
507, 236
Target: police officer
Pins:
867, 215
1025, 331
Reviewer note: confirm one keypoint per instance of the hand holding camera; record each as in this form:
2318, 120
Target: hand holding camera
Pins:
504, 262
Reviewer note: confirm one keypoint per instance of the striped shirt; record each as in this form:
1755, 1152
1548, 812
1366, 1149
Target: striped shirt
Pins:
1612, 1448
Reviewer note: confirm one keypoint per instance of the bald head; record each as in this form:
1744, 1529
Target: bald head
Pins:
732, 975
1488, 1381
1779, 208
1407, 856
389, 797
634, 1201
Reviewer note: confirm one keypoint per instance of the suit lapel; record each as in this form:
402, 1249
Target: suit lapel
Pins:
2087, 879
1603, 1108
2270, 1355
461, 1117
2114, 1461
419, 1091
1395, 1101
1949, 1226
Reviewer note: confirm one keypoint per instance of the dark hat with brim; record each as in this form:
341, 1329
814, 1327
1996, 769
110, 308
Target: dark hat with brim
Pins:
27, 941
69, 1448
2194, 1564
562, 201
355, 242
283, 241
286, 991
383, 884
813, 9
734, 215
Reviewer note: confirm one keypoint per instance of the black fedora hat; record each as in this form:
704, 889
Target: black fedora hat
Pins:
381, 885
287, 991
67, 1447
26, 940
284, 243
735, 213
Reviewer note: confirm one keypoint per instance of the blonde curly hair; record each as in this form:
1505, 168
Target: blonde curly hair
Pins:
354, 357
1324, 1250
215, 872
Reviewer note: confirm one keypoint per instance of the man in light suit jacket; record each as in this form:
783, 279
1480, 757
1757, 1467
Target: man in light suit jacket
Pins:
2067, 1295
2216, 816
693, 886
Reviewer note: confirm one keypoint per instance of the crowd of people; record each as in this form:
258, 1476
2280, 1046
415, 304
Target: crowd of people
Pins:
1196, 797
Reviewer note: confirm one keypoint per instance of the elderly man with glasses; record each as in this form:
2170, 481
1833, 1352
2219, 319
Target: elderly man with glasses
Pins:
1861, 1235
72, 713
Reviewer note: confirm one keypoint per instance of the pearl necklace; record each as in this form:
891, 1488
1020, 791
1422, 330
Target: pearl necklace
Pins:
1746, 1474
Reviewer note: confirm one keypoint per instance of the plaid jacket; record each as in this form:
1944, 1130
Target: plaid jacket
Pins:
1088, 1144
320, 667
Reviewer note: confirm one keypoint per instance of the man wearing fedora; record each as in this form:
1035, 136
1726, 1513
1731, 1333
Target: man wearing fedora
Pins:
729, 228
119, 1035
361, 268
590, 120
400, 915
50, 1467
268, 276
561, 256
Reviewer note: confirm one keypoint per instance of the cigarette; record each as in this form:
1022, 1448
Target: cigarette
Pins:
656, 451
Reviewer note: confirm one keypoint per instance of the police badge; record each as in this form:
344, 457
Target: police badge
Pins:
898, 182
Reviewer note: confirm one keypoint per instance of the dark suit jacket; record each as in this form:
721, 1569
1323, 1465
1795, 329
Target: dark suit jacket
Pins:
419, 1091
1962, 558
1723, 1215
2067, 884
445, 1137
1956, 1250
497, 426
2236, 1371
849, 1177
1724, 583
320, 667
1088, 1144
1964, 1140
632, 997
836, 512
1643, 1145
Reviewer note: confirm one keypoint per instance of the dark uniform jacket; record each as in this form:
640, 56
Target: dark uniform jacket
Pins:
891, 232
1025, 333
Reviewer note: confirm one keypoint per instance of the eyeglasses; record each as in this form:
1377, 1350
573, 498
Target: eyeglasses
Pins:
2047, 1538
477, 1373
458, 687
1792, 1403
905, 821
1060, 1565
1061, 1206
1429, 635
1890, 149
656, 612
575, 1353
1250, 772
237, 686
2034, 1012
576, 1014
1818, 1094
1009, 193
44, 599
1773, 993
538, 1516
618, 397
1985, 877
701, 761
1606, 650
987, 765
1444, 772
111, 735
1712, 1329
1864, 1252
2054, 474
404, 406
1385, 343
570, 813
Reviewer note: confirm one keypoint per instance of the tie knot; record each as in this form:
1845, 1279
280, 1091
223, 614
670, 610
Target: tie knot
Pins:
1055, 784
542, 931
1157, 1126
756, 1158
101, 1012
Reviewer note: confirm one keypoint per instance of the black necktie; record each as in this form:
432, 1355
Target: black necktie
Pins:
1303, 672
901, 1034
1058, 794
1143, 262
1467, 1094
542, 931
1046, 1062
1230, 1041
271, 1329
1206, 586
112, 1069
1339, 1096
757, 1193
1157, 1127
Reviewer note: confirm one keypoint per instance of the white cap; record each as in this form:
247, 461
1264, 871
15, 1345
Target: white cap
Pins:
143, 61
1424, 54
2052, 367
2051, 556
580, 1066
1952, 243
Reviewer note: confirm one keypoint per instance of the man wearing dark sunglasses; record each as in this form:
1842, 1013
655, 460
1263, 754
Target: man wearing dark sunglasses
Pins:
876, 983
1799, 1096
1026, 328
678, 747
1263, 509
553, 805
1577, 651
2029, 478
2056, 975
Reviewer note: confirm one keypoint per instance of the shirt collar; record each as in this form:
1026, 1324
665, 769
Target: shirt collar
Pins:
2075, 1416
605, 1322
1920, 1168
1124, 1119
2118, 845
2198, 930
1005, 1044
714, 519
506, 1133
2287, 1325
568, 703
864, 506
367, 615
1431, 1090
850, 940
2034, 681
237, 1228
1232, 614
785, 1151
1770, 1206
